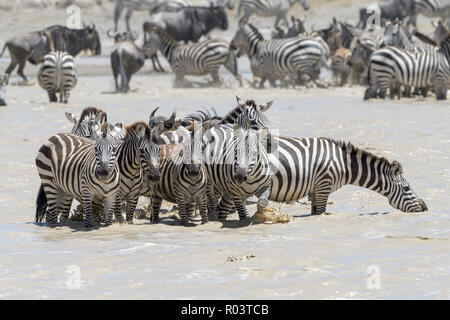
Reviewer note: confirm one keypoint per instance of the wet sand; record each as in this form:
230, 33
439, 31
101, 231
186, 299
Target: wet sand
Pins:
314, 257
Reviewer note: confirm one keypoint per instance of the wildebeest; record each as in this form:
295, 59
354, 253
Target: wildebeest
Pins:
189, 24
127, 58
389, 10
34, 46
168, 123
297, 27
3, 83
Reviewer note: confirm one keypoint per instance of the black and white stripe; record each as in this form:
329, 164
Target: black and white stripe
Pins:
268, 8
391, 65
74, 167
200, 58
175, 5
183, 177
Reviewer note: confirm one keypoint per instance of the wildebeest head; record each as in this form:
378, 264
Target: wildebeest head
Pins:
360, 54
122, 36
220, 16
91, 40
166, 123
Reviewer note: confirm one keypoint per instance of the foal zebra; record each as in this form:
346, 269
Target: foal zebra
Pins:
57, 73
317, 167
297, 58
183, 176
74, 167
266, 8
412, 68
201, 58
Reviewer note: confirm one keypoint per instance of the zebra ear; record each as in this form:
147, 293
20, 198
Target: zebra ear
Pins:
397, 168
264, 108
241, 103
71, 117
264, 138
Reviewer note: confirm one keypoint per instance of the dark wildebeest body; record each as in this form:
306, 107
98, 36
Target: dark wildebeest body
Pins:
189, 24
390, 10
34, 46
126, 59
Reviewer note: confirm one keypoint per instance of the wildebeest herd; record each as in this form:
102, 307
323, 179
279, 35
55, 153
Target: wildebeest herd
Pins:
216, 163
394, 58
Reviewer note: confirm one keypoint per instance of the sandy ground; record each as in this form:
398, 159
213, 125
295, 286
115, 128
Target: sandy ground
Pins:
328, 256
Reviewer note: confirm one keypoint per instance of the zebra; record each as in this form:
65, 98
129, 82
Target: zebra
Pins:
175, 5
298, 58
237, 165
278, 8
75, 167
391, 65
197, 59
316, 167
138, 160
88, 122
57, 73
431, 8
183, 176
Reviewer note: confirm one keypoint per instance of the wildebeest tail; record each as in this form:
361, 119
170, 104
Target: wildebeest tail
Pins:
41, 205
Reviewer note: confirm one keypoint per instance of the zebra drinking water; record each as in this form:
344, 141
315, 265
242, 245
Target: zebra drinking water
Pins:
75, 167
201, 58
57, 73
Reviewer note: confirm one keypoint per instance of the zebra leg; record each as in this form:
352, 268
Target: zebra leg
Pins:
87, 207
440, 89
179, 80
65, 96
263, 199
51, 193
118, 209
66, 203
131, 206
52, 96
241, 209
204, 208
156, 206
424, 91
183, 210
226, 206
108, 210
319, 197
215, 76
212, 201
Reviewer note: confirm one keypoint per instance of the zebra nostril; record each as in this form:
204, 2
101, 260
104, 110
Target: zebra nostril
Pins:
423, 205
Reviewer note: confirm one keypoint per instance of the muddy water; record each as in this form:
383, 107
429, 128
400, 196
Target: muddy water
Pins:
320, 257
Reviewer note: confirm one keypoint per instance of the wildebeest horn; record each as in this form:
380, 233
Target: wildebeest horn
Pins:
153, 113
172, 117
108, 33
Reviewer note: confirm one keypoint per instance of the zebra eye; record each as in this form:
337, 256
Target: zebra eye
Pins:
406, 188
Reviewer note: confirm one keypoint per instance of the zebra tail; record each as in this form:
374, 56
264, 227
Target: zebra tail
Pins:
41, 204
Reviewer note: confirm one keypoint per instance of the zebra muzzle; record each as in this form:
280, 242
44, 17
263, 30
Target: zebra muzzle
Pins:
423, 205
240, 176
154, 176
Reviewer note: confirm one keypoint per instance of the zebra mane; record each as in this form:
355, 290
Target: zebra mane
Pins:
202, 115
132, 128
348, 147
424, 38
255, 30
92, 111
444, 39
162, 32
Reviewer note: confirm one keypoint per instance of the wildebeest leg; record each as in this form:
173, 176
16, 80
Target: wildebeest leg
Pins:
128, 17
20, 70
12, 66
231, 65
117, 12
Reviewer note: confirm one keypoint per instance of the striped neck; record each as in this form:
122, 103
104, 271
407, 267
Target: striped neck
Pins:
254, 39
166, 44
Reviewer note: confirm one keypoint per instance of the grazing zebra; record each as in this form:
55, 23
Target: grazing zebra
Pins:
237, 165
200, 58
137, 155
298, 58
183, 176
175, 5
389, 66
318, 166
75, 167
266, 8
57, 73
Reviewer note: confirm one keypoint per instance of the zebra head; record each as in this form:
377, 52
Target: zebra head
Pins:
105, 151
399, 191
90, 121
252, 115
247, 153
192, 148
149, 150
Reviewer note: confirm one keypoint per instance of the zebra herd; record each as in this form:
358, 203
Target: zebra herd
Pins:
204, 160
